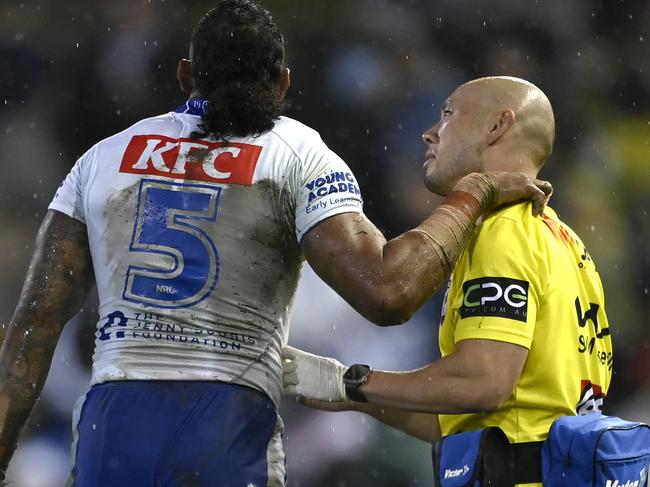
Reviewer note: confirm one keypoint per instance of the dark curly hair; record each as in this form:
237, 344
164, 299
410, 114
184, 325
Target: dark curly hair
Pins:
237, 56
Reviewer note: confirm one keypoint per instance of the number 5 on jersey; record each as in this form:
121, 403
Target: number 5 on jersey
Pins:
182, 265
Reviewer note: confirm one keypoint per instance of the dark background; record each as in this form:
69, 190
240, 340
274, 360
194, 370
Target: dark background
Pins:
370, 77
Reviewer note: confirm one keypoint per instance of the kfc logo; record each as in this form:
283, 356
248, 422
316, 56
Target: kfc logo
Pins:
218, 162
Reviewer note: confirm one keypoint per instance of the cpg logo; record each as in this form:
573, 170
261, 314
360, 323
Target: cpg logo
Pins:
495, 296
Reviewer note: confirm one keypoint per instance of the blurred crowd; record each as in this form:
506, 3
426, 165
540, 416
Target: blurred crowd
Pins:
370, 76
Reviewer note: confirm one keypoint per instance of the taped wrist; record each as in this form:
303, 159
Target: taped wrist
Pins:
481, 186
451, 224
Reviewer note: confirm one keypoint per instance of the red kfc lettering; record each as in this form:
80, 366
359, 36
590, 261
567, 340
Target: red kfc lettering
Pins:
221, 162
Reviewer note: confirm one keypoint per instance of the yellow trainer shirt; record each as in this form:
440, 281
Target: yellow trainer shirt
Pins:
530, 281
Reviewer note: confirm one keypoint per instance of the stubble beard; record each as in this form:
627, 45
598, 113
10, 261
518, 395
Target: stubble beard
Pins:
466, 161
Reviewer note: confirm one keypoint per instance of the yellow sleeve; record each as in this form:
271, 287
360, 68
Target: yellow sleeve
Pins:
500, 283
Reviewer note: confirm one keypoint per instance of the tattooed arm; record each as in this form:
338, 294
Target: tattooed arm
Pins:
58, 280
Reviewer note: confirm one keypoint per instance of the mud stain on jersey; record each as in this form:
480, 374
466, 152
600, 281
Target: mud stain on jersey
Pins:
120, 213
261, 216
122, 203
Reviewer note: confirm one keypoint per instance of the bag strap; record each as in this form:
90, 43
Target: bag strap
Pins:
528, 462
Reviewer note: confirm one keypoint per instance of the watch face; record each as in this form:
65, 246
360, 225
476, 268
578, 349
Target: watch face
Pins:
357, 373
353, 378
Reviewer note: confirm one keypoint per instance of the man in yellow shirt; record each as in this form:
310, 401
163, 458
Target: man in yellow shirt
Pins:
524, 338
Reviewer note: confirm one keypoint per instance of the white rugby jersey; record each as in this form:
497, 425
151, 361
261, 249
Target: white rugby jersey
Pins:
196, 245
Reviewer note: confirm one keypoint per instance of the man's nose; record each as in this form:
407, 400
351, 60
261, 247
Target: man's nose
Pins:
431, 135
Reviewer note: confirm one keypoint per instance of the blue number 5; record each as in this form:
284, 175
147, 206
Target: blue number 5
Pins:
183, 265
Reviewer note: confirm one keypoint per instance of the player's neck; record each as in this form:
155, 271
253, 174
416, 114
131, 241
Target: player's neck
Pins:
510, 160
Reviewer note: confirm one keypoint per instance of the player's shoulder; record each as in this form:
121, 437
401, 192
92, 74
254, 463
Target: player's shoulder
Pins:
298, 136
291, 128
516, 222
165, 124
558, 231
510, 227
510, 217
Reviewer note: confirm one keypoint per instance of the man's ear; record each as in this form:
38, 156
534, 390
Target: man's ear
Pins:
284, 83
184, 75
501, 125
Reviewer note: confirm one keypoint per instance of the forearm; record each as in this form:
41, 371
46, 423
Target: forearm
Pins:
423, 426
466, 381
421, 391
469, 380
452, 223
24, 364
416, 265
57, 282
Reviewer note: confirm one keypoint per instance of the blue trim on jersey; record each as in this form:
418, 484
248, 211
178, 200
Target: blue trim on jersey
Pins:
173, 434
194, 106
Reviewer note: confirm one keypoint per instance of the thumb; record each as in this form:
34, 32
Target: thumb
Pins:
545, 186
539, 200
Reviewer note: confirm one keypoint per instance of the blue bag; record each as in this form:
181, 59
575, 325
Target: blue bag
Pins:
473, 459
596, 451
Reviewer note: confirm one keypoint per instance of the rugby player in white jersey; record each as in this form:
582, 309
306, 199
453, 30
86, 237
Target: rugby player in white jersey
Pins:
194, 226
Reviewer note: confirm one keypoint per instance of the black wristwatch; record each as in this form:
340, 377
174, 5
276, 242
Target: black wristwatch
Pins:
353, 378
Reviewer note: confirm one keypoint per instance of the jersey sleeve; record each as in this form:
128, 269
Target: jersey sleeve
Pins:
69, 198
499, 288
324, 186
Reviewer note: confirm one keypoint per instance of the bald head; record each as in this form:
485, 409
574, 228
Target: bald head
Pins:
533, 126
489, 124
